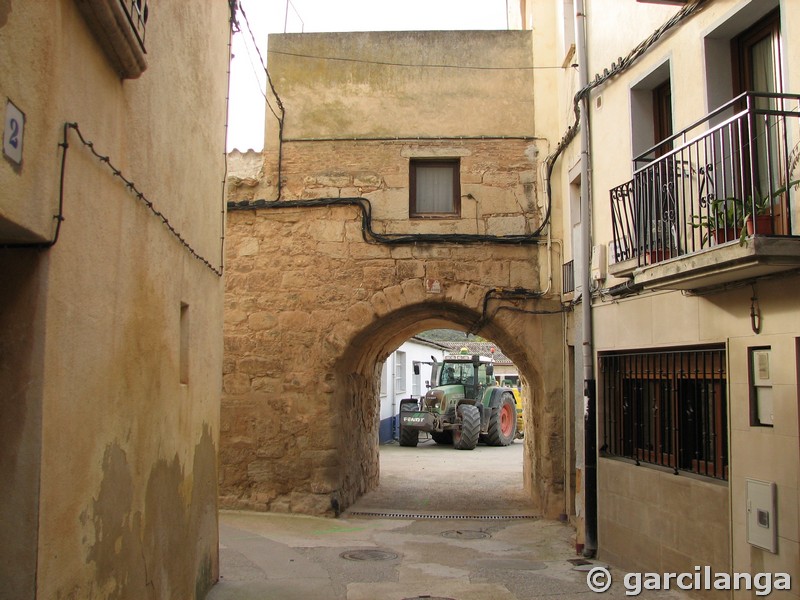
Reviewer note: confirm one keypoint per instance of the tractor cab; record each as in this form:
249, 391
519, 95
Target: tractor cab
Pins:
473, 374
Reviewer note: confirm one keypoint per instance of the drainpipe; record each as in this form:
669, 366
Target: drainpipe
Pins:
589, 384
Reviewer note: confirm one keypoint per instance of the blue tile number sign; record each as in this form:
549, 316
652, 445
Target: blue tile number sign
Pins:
13, 131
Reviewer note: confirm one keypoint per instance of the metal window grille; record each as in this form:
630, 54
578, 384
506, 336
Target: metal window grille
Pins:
137, 16
667, 408
568, 276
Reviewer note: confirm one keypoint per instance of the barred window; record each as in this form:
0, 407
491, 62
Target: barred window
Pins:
667, 408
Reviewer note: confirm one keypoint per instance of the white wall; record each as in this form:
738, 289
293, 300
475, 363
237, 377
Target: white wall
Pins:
398, 380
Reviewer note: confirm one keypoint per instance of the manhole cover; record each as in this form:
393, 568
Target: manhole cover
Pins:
368, 555
466, 534
428, 598
579, 561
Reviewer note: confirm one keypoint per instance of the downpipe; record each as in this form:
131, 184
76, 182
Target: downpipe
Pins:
589, 383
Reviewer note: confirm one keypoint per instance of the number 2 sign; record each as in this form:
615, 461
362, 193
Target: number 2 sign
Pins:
12, 133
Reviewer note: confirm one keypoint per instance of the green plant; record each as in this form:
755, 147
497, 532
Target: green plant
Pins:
723, 214
726, 214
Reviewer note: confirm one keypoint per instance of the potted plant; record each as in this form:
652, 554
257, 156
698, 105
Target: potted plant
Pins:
758, 215
723, 222
659, 242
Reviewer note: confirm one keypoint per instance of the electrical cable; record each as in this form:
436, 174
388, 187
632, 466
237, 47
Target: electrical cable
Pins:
369, 234
517, 293
59, 217
413, 65
140, 196
282, 118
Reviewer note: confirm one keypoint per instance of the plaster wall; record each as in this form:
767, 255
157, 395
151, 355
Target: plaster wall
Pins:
117, 377
672, 319
392, 390
653, 521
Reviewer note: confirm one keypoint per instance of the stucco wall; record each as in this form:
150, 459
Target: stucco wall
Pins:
652, 520
665, 319
117, 436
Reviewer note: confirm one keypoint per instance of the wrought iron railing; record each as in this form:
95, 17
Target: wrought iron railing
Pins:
137, 13
666, 408
732, 174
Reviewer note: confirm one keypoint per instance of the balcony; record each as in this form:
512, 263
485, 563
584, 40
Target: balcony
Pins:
714, 203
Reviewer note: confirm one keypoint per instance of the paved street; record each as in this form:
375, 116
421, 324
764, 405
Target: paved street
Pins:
442, 525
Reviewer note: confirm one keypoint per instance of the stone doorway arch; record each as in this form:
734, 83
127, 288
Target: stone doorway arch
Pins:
313, 310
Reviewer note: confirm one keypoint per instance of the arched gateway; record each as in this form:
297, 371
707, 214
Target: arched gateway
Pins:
313, 309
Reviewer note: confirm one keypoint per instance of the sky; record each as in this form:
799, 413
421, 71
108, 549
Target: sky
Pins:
246, 105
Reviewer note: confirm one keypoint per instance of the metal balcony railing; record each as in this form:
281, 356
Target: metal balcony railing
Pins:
732, 174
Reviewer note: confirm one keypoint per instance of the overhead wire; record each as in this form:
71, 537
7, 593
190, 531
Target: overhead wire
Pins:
280, 118
412, 65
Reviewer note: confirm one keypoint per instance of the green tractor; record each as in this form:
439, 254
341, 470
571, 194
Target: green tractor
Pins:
464, 405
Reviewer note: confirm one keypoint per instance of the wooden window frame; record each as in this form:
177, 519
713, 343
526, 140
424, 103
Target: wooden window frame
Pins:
769, 26
452, 163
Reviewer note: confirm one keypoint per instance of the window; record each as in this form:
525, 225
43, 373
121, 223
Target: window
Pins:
119, 28
756, 57
384, 380
651, 111
185, 344
435, 188
416, 380
667, 408
399, 372
662, 116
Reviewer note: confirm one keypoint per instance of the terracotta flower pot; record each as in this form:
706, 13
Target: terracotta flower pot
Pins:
721, 236
763, 225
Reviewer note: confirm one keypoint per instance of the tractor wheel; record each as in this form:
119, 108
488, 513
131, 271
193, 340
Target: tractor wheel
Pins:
466, 438
409, 437
503, 423
443, 438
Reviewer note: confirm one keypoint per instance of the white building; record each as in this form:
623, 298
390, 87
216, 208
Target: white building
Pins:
405, 374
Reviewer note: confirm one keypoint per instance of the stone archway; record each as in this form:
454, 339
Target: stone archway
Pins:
313, 309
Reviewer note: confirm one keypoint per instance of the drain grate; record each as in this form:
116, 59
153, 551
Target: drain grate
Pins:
445, 517
368, 554
465, 534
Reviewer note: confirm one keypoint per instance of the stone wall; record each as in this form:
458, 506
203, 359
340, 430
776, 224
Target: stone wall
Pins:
314, 304
312, 311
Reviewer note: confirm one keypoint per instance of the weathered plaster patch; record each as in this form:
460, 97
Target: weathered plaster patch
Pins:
166, 549
5, 11
117, 551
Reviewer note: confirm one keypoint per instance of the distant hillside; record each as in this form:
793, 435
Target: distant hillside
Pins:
448, 335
